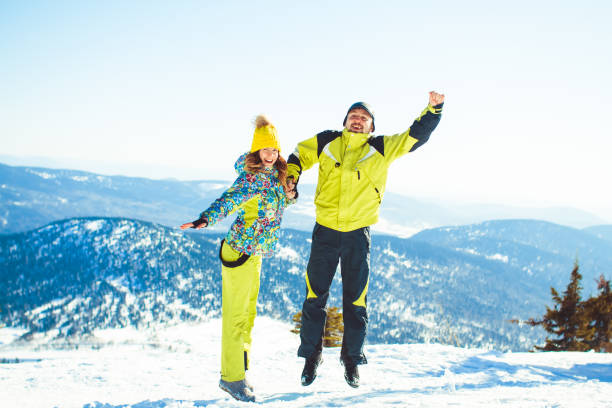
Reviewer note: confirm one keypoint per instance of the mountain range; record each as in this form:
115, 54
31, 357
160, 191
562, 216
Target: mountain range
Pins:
452, 285
81, 251
31, 197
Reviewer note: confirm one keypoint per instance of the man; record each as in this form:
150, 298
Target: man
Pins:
352, 176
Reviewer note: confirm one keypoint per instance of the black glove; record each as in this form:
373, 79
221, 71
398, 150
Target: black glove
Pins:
199, 222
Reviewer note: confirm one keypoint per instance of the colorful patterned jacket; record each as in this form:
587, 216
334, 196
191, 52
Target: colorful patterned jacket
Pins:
259, 199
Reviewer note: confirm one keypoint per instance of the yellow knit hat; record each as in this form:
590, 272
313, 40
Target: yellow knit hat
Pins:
265, 135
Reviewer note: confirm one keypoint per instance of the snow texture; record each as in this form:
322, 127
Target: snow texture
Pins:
178, 366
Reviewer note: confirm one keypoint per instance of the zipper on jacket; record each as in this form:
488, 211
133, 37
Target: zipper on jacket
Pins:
358, 175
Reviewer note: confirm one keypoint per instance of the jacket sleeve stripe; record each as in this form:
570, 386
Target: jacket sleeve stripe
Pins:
425, 124
416, 136
324, 138
372, 151
328, 152
378, 143
294, 158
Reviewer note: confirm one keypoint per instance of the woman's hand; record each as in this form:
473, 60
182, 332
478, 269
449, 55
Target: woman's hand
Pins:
197, 224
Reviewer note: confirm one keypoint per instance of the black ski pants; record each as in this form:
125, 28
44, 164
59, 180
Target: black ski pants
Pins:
353, 250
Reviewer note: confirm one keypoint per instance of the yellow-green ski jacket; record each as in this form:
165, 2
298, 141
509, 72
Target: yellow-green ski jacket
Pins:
353, 169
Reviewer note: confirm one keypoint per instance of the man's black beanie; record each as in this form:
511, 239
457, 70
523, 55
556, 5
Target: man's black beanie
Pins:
360, 105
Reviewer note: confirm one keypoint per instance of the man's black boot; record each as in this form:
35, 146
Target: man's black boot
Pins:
351, 374
310, 369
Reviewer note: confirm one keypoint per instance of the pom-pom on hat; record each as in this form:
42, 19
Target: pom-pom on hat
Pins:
265, 135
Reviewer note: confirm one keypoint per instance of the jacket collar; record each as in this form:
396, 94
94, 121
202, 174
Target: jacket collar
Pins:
268, 173
354, 139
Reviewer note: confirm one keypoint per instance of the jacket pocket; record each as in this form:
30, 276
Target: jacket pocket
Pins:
364, 177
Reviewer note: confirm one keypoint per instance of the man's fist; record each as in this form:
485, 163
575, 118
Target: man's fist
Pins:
435, 98
291, 188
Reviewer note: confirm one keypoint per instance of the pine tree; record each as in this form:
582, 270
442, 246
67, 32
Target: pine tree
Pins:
598, 331
297, 320
567, 320
334, 327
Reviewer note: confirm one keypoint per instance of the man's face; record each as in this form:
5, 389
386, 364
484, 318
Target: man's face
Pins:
359, 121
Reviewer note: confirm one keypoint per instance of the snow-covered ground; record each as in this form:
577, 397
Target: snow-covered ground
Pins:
179, 367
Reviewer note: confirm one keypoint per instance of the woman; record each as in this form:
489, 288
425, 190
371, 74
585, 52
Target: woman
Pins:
259, 195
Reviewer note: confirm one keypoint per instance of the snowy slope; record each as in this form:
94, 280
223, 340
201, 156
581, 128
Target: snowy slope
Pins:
601, 231
179, 367
539, 248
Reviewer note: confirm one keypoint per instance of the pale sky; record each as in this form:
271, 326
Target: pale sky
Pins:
169, 89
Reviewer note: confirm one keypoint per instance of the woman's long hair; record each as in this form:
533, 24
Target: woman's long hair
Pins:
254, 164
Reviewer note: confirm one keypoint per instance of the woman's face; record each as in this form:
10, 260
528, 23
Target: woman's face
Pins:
268, 156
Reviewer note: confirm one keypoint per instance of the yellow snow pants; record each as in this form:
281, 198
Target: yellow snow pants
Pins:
239, 301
